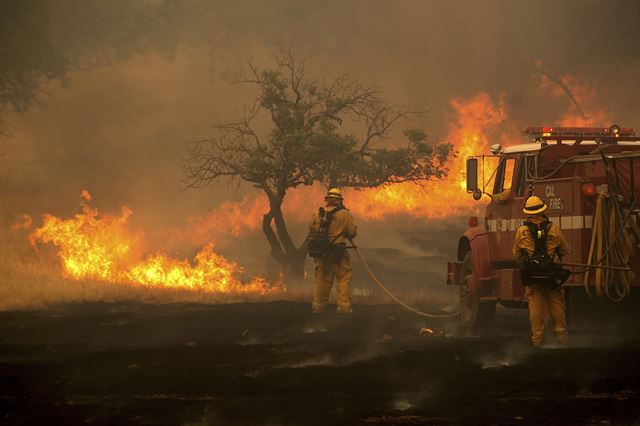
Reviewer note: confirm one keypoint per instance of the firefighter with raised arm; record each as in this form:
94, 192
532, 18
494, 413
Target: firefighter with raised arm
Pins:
540, 245
328, 234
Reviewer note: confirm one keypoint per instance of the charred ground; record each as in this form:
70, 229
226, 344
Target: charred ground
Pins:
273, 363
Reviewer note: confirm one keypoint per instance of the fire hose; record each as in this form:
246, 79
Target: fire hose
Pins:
392, 296
610, 248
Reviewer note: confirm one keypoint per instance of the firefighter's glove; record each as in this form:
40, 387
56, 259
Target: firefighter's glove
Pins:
560, 276
338, 251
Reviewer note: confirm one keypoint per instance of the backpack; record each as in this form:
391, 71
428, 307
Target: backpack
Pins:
319, 245
539, 268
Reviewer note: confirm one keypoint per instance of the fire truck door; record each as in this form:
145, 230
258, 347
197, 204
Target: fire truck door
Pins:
500, 220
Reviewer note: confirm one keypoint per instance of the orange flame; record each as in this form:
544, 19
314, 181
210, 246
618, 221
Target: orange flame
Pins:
94, 246
90, 246
212, 272
475, 118
244, 216
229, 218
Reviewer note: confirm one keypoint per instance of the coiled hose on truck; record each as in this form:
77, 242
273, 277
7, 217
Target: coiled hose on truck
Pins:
610, 246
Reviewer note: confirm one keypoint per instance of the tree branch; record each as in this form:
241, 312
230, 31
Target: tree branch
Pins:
566, 89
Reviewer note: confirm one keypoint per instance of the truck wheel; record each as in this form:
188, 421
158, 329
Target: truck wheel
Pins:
473, 313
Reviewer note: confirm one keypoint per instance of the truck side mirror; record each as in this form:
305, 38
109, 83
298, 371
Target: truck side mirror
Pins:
472, 174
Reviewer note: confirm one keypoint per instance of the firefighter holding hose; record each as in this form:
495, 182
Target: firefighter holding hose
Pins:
328, 233
540, 245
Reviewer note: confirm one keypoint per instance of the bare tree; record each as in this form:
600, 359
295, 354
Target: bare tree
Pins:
305, 145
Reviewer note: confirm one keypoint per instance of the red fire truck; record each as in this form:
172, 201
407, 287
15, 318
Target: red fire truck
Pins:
588, 178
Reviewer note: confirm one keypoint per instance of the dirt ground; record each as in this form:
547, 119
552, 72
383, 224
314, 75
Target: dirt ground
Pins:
274, 363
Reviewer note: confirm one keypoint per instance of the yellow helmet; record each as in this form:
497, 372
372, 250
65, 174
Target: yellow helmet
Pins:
534, 205
334, 193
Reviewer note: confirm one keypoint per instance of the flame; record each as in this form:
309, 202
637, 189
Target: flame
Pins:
228, 219
212, 272
91, 246
468, 133
95, 246
237, 218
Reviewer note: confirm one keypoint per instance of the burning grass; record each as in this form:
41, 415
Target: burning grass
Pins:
101, 247
30, 280
95, 257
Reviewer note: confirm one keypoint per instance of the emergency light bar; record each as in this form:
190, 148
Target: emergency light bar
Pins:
612, 133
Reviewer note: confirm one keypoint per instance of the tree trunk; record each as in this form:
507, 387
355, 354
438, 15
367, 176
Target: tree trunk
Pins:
290, 257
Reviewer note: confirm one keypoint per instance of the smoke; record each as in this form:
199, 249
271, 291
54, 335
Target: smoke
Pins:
143, 78
509, 355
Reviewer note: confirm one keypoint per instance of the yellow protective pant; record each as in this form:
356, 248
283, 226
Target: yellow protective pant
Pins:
326, 270
546, 304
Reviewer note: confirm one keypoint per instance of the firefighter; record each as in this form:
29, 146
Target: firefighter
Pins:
539, 242
336, 225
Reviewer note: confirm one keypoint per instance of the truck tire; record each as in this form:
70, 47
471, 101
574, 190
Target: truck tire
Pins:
473, 312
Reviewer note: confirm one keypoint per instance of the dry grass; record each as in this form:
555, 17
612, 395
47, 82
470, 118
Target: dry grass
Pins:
30, 280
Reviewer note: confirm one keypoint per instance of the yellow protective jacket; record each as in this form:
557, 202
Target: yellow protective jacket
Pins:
342, 222
524, 243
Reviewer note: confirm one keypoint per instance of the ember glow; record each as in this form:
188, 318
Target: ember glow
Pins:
100, 247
